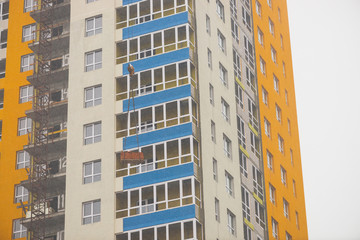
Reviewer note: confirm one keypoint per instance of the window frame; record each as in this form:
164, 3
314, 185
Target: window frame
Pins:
93, 176
229, 184
221, 41
231, 222
92, 215
31, 35
27, 126
22, 229
94, 100
94, 30
227, 146
223, 75
283, 175
225, 110
31, 7
29, 91
270, 160
94, 65
23, 196
25, 161
220, 10
29, 58
93, 136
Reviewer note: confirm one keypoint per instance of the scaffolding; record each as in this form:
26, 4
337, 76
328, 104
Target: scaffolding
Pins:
39, 138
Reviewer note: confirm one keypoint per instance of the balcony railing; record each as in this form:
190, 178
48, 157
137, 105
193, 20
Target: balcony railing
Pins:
145, 11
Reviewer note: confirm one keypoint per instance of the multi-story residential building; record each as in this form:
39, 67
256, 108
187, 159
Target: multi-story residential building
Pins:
206, 106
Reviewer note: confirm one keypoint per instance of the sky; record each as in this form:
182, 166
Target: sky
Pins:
325, 39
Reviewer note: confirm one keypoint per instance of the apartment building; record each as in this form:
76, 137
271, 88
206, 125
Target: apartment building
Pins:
194, 107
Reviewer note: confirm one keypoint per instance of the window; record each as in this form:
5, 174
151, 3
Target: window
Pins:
237, 65
273, 54
208, 25
233, 9
21, 194
258, 8
269, 2
215, 169
22, 159
291, 157
221, 41
1, 98
26, 93
262, 66
19, 231
241, 132
4, 7
28, 32
93, 60
265, 96
92, 171
294, 188
297, 219
245, 197
288, 236
283, 175
243, 164
225, 110
30, 5
0, 130
284, 70
249, 51
217, 210
271, 26
93, 26
260, 37
279, 14
211, 94
278, 112
267, 128
231, 222
24, 126
289, 126
234, 30
281, 144
259, 214
223, 75
227, 146
272, 194
286, 97
27, 62
239, 95
229, 183
257, 182
274, 225
269, 158
93, 96
281, 41
213, 132
286, 208
90, 1
209, 55
276, 84
247, 232
91, 212
92, 133
220, 9
246, 18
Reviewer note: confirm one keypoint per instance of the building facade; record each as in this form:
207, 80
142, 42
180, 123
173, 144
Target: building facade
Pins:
210, 106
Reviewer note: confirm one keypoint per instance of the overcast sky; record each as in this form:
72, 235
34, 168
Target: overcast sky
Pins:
325, 39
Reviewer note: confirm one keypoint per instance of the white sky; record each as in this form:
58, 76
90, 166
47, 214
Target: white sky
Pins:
325, 38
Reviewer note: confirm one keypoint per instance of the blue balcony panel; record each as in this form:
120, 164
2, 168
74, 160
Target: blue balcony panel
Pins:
127, 2
161, 217
158, 97
158, 176
156, 136
155, 25
158, 60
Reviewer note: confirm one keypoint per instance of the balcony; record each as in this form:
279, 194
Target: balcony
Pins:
55, 144
60, 10
156, 79
158, 197
55, 183
54, 214
155, 43
141, 12
57, 106
58, 36
162, 155
156, 117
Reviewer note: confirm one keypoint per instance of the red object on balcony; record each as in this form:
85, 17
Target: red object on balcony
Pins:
132, 157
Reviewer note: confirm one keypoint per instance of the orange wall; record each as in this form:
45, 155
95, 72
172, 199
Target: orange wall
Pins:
291, 140
11, 143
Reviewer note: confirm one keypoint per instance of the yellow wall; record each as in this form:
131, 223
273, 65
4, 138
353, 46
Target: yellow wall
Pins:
291, 141
11, 143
